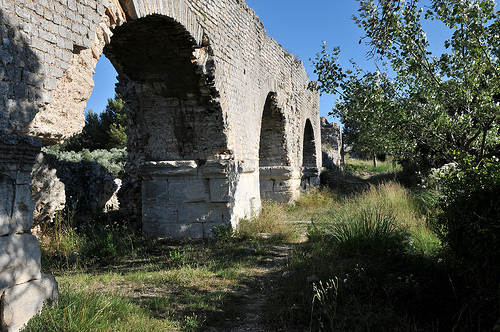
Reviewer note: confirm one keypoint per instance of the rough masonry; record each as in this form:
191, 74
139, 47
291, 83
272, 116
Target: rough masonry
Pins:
220, 116
331, 144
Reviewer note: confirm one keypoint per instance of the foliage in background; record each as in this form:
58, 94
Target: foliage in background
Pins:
113, 159
101, 131
436, 109
386, 164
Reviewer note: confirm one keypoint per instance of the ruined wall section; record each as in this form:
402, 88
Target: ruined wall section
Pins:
41, 43
248, 66
331, 140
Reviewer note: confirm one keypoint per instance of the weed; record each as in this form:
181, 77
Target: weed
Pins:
325, 298
177, 257
222, 233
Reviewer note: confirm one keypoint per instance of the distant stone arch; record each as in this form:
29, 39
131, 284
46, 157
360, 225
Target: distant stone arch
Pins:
274, 161
310, 171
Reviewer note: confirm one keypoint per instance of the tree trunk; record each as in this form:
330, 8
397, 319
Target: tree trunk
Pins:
374, 160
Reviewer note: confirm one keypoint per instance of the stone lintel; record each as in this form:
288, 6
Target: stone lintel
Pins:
279, 172
214, 168
169, 168
310, 171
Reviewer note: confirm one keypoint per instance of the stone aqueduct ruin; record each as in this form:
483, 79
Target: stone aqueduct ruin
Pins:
219, 116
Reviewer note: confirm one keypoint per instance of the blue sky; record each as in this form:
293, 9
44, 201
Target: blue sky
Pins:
300, 27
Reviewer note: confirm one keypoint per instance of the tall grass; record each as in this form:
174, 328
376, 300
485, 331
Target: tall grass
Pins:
280, 218
80, 310
372, 266
385, 207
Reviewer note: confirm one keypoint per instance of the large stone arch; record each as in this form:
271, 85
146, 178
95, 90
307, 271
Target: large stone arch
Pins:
195, 76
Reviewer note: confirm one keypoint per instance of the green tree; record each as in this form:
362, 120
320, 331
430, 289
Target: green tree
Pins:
102, 131
438, 109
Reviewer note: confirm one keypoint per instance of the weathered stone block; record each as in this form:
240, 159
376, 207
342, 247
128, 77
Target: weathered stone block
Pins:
266, 185
155, 190
21, 302
188, 190
173, 230
204, 212
159, 213
19, 259
220, 190
16, 207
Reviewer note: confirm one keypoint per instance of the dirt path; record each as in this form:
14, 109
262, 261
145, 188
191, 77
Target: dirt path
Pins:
252, 299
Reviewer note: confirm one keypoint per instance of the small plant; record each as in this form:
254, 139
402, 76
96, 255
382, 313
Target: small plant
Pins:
222, 233
325, 299
177, 257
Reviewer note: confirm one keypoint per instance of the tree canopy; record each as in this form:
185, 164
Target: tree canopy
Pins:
102, 131
434, 109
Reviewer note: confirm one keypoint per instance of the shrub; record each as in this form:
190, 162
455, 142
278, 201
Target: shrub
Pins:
113, 159
470, 226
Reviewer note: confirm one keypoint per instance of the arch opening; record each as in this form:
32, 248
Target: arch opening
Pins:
272, 147
308, 147
170, 98
274, 162
175, 179
310, 171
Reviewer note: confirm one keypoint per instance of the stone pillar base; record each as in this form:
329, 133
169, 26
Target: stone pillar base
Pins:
21, 302
279, 183
310, 177
181, 199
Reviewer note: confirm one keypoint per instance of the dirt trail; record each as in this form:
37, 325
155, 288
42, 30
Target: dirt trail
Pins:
251, 303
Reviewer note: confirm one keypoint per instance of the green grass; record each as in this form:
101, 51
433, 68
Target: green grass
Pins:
372, 263
88, 310
366, 165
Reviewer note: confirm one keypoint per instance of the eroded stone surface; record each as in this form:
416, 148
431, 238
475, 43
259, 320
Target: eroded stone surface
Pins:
331, 140
21, 302
47, 190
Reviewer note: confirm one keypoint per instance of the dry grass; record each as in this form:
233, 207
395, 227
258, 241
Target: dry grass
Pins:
276, 218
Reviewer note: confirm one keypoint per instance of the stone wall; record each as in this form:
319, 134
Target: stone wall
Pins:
202, 82
331, 140
20, 277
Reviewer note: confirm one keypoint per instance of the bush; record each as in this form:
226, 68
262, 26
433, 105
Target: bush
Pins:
375, 267
470, 226
113, 159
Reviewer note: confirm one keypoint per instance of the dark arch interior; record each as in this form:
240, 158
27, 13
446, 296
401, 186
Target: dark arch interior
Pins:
309, 146
272, 148
155, 49
171, 115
